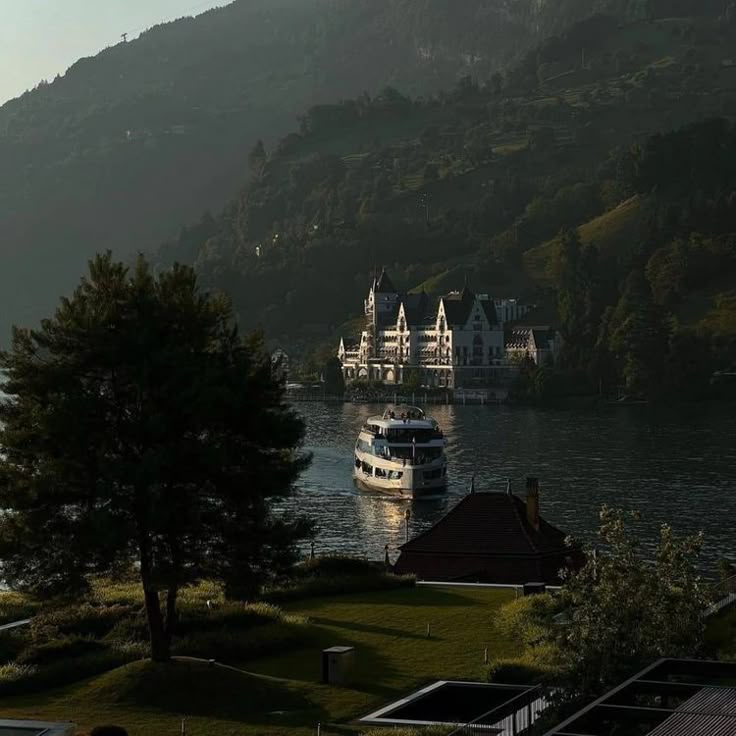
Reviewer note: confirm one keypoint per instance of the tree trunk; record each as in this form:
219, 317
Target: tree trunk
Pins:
171, 617
160, 640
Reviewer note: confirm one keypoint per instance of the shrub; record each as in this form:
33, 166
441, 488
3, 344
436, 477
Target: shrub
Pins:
337, 584
12, 642
82, 620
527, 619
15, 607
337, 565
229, 615
532, 668
66, 648
23, 679
12, 673
232, 645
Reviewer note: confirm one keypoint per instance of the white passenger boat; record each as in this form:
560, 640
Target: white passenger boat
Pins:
401, 453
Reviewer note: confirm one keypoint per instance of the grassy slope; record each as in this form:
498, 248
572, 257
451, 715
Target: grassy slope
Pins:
394, 655
610, 233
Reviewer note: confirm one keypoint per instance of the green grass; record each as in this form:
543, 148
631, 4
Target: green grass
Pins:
610, 234
393, 656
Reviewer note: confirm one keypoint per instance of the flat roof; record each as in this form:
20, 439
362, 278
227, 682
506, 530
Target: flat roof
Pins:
35, 728
672, 697
489, 706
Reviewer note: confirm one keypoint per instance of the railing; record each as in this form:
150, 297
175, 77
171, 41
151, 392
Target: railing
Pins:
517, 717
724, 595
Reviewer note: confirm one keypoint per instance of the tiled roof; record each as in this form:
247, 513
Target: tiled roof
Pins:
488, 524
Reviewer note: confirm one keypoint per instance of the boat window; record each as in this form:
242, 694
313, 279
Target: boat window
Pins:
380, 473
357, 462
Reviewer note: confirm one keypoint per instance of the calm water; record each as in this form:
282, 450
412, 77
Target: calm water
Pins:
676, 466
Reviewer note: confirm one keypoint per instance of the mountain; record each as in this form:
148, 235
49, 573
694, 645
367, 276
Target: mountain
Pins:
130, 144
480, 181
476, 179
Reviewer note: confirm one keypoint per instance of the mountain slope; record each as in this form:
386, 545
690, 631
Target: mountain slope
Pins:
129, 144
470, 182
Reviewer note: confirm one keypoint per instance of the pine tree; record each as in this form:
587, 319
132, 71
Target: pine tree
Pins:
140, 431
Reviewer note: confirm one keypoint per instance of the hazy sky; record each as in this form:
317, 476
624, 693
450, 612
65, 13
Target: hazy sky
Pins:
42, 38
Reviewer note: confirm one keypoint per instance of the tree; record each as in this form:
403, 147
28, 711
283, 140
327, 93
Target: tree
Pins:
334, 380
639, 336
257, 157
575, 270
623, 611
140, 431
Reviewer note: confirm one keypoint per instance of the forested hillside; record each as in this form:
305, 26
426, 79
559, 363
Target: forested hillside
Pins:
483, 179
130, 144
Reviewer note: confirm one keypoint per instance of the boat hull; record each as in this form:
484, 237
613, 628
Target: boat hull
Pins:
373, 485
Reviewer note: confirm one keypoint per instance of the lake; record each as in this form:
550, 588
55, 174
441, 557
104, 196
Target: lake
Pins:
674, 465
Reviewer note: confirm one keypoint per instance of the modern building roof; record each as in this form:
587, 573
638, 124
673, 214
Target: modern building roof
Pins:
672, 697
489, 537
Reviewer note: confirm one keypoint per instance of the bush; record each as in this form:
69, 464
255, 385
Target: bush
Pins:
16, 679
230, 645
82, 620
12, 673
12, 643
16, 607
236, 616
527, 619
337, 565
533, 668
313, 587
65, 648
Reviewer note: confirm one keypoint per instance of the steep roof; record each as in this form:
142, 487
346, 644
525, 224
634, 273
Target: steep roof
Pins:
384, 285
458, 306
543, 338
490, 311
488, 524
418, 308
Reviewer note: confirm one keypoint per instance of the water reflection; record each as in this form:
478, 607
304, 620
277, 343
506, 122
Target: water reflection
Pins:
675, 466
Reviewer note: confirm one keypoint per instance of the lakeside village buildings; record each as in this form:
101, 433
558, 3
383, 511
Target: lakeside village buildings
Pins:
462, 340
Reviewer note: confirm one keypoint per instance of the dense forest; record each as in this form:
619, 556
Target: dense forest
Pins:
596, 177
130, 144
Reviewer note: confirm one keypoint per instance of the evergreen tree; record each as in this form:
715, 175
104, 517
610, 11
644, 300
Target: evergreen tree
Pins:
140, 431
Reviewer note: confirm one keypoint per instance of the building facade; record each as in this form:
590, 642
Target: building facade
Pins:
540, 344
456, 341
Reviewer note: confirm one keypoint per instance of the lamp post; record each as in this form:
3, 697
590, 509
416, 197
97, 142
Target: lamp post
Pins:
407, 517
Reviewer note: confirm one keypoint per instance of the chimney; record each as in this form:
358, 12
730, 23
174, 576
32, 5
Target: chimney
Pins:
532, 502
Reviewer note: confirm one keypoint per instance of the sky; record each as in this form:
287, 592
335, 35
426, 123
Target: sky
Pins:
42, 38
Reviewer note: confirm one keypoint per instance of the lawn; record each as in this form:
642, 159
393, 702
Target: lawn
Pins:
281, 694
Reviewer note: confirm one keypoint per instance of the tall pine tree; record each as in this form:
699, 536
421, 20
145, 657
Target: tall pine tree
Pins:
140, 431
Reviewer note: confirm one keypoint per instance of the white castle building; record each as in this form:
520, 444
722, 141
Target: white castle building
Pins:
456, 341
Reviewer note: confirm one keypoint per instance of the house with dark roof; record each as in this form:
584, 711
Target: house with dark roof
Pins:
454, 341
540, 344
491, 538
